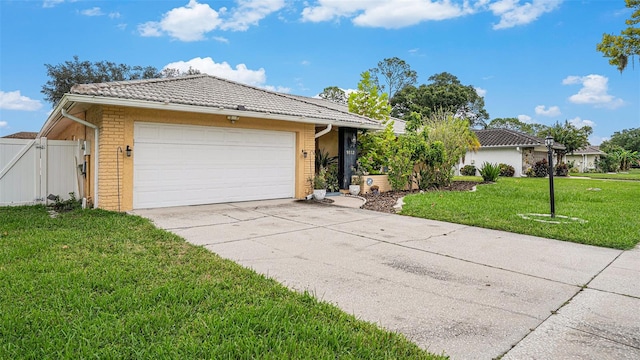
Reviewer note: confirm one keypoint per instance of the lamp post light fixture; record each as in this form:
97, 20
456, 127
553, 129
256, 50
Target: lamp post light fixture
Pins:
549, 142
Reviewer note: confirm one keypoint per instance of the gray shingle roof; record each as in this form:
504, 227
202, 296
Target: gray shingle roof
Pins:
506, 137
589, 150
210, 91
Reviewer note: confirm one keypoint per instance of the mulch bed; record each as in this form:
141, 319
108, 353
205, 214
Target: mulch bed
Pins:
385, 201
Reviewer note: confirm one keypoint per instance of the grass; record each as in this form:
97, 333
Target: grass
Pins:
98, 284
632, 174
611, 212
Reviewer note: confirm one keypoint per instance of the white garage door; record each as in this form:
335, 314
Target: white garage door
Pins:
188, 165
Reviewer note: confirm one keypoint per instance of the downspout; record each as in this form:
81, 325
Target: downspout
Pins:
95, 152
318, 134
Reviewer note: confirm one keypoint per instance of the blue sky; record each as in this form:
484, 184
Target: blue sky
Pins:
532, 59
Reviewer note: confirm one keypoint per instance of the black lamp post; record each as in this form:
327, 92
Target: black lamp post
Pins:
549, 142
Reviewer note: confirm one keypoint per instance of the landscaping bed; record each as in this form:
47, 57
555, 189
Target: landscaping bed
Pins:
385, 202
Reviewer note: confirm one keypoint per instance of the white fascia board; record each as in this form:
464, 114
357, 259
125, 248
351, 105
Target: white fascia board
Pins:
91, 99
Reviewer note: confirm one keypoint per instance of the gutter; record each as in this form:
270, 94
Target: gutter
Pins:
96, 133
320, 133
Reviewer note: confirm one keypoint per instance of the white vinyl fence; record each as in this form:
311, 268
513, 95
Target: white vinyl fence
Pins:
30, 170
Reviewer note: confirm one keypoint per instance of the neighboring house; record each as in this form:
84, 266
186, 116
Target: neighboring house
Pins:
509, 147
197, 140
22, 135
585, 159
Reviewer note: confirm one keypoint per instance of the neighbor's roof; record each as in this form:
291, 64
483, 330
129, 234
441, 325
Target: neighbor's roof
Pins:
509, 138
589, 150
205, 91
22, 135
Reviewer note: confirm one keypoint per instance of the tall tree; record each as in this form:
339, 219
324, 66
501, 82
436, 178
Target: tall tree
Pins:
395, 73
335, 94
517, 125
618, 48
572, 137
367, 101
627, 139
63, 76
444, 93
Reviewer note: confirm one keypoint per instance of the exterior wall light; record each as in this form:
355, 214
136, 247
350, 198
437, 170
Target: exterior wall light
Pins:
128, 151
233, 118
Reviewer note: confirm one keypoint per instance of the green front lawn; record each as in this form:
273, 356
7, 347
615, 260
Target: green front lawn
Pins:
632, 174
97, 284
610, 209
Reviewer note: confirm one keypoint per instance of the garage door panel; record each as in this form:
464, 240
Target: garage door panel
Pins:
187, 165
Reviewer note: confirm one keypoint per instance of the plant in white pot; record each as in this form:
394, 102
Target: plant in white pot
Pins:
320, 184
356, 180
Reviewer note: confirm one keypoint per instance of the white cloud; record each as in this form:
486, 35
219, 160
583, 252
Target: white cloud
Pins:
305, 62
594, 91
114, 15
578, 122
4, 124
51, 3
281, 89
512, 13
388, 14
194, 20
394, 14
95, 11
551, 111
221, 39
208, 66
240, 73
480, 91
525, 119
188, 23
250, 12
12, 100
597, 140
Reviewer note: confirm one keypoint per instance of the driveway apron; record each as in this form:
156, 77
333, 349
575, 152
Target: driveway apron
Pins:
468, 292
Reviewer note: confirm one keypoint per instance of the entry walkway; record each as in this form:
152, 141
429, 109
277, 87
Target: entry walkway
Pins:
469, 292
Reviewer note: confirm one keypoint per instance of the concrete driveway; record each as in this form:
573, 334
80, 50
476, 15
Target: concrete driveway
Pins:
469, 292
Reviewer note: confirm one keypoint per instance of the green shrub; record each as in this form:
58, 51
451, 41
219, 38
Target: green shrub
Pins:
333, 184
541, 168
65, 205
562, 169
489, 171
506, 170
530, 172
574, 170
468, 170
320, 180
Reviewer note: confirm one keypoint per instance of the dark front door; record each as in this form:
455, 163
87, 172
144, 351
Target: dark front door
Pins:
347, 155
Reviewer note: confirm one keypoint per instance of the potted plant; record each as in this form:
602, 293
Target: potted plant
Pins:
356, 180
320, 184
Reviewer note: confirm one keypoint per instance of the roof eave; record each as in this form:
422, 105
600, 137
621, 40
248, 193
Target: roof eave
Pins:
102, 100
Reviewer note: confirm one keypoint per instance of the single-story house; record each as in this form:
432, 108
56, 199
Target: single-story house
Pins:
198, 140
509, 147
585, 159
